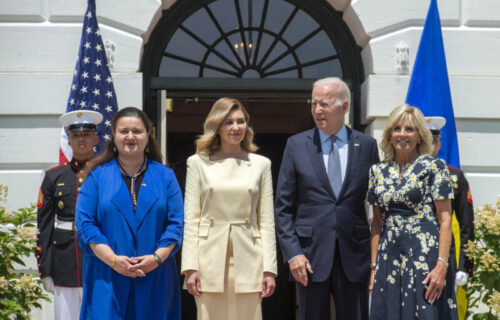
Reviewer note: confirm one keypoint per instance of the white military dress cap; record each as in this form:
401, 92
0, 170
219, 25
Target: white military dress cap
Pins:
80, 120
434, 124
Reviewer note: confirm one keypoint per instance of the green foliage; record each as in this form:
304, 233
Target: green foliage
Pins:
484, 287
19, 292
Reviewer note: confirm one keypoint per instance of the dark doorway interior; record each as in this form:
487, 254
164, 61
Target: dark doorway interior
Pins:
273, 120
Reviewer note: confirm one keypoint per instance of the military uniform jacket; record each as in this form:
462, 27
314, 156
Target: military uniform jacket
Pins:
58, 254
464, 212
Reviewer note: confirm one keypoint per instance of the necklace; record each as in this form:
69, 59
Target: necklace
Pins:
133, 177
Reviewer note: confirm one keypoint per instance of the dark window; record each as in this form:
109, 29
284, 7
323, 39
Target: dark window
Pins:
273, 48
250, 39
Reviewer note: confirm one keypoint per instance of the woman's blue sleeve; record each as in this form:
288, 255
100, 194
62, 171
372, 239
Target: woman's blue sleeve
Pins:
87, 226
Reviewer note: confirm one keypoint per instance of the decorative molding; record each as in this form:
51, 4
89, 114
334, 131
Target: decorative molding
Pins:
110, 53
403, 57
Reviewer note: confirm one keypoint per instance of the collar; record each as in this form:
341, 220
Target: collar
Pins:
78, 164
341, 135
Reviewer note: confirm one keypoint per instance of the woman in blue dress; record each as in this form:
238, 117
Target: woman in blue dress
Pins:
129, 221
411, 231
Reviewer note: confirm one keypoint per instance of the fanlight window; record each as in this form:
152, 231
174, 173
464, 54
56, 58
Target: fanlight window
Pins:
250, 39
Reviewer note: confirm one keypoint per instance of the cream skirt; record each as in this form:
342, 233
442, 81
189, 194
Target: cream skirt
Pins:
229, 305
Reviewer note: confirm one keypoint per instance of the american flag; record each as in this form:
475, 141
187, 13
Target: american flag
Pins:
92, 86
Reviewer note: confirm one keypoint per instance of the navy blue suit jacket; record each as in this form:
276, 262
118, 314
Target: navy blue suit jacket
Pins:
309, 218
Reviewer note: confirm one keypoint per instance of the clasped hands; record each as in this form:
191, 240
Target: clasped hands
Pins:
135, 266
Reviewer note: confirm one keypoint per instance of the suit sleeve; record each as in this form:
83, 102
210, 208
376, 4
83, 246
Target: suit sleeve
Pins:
266, 221
45, 223
192, 212
464, 212
87, 226
285, 205
175, 215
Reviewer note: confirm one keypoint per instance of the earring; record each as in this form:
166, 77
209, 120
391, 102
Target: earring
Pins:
147, 149
114, 149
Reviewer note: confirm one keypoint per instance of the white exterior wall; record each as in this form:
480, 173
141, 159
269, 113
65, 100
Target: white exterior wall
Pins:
40, 39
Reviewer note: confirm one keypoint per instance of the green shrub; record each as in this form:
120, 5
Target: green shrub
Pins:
19, 292
484, 287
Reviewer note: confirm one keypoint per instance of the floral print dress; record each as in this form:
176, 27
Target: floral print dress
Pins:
408, 247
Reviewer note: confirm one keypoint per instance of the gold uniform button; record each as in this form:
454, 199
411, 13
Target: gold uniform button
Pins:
78, 189
80, 180
60, 193
54, 242
60, 204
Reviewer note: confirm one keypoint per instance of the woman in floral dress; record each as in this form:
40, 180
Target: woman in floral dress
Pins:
411, 231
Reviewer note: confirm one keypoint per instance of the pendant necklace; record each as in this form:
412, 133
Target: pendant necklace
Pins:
133, 177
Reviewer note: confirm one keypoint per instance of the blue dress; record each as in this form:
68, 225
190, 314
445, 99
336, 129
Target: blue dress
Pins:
105, 214
409, 240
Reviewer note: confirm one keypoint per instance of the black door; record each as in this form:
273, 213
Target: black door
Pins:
273, 120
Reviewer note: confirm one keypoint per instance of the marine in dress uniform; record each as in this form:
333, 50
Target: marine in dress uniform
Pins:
60, 260
462, 209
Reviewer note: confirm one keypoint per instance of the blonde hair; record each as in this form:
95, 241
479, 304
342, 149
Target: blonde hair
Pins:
209, 142
342, 91
415, 118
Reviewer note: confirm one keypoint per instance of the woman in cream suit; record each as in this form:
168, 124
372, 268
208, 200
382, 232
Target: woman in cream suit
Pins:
229, 250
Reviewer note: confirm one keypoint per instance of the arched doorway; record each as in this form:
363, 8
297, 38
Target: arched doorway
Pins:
267, 53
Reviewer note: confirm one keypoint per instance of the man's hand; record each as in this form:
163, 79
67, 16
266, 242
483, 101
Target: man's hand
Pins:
299, 266
48, 284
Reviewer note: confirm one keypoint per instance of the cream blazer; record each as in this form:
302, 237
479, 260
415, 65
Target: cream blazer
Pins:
229, 195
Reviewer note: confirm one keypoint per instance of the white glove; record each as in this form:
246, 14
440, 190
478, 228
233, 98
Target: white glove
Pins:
48, 284
461, 278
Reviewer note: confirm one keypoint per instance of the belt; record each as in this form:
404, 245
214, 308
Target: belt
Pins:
404, 212
65, 225
233, 222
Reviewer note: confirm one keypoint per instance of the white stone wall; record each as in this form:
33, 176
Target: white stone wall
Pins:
40, 39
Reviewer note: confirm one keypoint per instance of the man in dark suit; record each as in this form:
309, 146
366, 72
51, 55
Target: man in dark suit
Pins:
320, 208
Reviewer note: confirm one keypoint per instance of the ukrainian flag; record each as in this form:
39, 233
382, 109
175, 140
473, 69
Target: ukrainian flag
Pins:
429, 90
